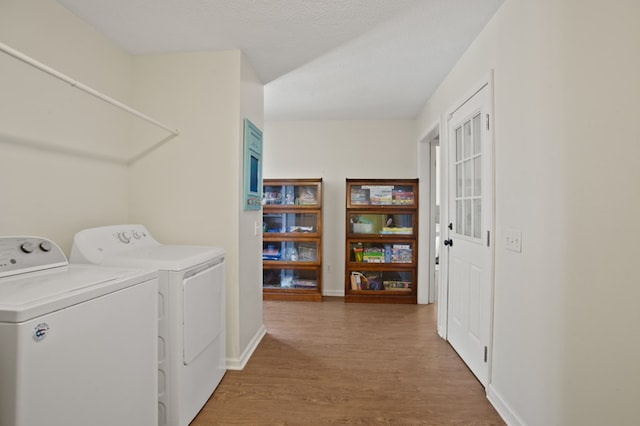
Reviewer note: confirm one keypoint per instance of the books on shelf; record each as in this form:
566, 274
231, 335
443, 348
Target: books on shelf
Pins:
397, 285
270, 252
390, 253
360, 281
373, 255
397, 230
380, 194
401, 253
304, 283
272, 197
359, 196
400, 197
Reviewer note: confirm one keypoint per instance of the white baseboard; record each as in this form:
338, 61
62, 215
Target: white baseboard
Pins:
239, 363
502, 407
335, 293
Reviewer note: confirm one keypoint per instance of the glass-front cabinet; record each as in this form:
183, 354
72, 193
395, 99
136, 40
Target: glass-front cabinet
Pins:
380, 192
381, 248
292, 239
388, 223
290, 278
291, 251
305, 193
299, 223
381, 252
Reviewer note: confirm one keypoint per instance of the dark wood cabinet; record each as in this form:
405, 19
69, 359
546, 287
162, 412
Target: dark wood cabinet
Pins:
292, 239
381, 244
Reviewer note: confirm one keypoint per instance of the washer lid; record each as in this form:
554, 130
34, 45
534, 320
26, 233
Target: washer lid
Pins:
163, 257
26, 296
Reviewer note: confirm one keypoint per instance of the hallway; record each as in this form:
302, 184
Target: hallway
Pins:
337, 363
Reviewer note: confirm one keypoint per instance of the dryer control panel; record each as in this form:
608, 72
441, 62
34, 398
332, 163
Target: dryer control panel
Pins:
113, 237
19, 255
93, 244
130, 236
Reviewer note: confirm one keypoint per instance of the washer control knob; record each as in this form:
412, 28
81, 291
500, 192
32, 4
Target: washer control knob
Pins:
45, 246
27, 247
125, 237
137, 235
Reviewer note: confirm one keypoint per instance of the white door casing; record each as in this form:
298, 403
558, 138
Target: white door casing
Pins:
427, 285
468, 232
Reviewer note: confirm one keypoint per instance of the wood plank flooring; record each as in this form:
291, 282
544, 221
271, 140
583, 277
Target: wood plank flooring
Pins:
359, 364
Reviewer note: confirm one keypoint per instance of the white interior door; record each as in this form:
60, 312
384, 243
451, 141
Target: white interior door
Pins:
469, 231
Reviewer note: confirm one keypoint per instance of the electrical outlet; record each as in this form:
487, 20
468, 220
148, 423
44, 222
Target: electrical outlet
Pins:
513, 240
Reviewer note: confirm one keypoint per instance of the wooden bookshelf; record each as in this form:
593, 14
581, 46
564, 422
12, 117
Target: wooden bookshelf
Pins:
292, 239
381, 244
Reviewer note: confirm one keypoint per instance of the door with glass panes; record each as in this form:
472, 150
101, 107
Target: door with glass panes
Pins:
469, 232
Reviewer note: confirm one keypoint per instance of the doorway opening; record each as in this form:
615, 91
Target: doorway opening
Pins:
430, 188
434, 216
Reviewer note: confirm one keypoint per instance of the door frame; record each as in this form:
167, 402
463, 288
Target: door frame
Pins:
427, 289
443, 298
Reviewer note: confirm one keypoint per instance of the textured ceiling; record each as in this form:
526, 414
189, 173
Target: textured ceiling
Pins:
319, 59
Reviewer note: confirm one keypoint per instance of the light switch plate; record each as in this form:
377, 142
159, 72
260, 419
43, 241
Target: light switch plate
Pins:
513, 240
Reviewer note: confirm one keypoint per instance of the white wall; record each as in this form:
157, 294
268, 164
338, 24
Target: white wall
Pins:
566, 319
601, 77
251, 327
180, 190
187, 191
63, 154
60, 149
334, 151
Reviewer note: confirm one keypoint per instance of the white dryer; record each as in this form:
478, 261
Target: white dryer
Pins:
78, 342
191, 317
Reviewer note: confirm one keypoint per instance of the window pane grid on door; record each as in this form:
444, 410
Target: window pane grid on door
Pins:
477, 142
468, 165
467, 139
468, 213
468, 176
477, 176
458, 143
477, 217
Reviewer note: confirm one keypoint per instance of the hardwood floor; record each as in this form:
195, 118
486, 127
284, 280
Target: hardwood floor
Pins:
337, 363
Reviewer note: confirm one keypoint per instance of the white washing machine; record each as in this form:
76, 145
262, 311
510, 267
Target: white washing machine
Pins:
191, 317
78, 342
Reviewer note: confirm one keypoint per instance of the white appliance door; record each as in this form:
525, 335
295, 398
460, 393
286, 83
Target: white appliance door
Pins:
202, 306
93, 363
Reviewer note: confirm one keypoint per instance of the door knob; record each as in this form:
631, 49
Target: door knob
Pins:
448, 242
